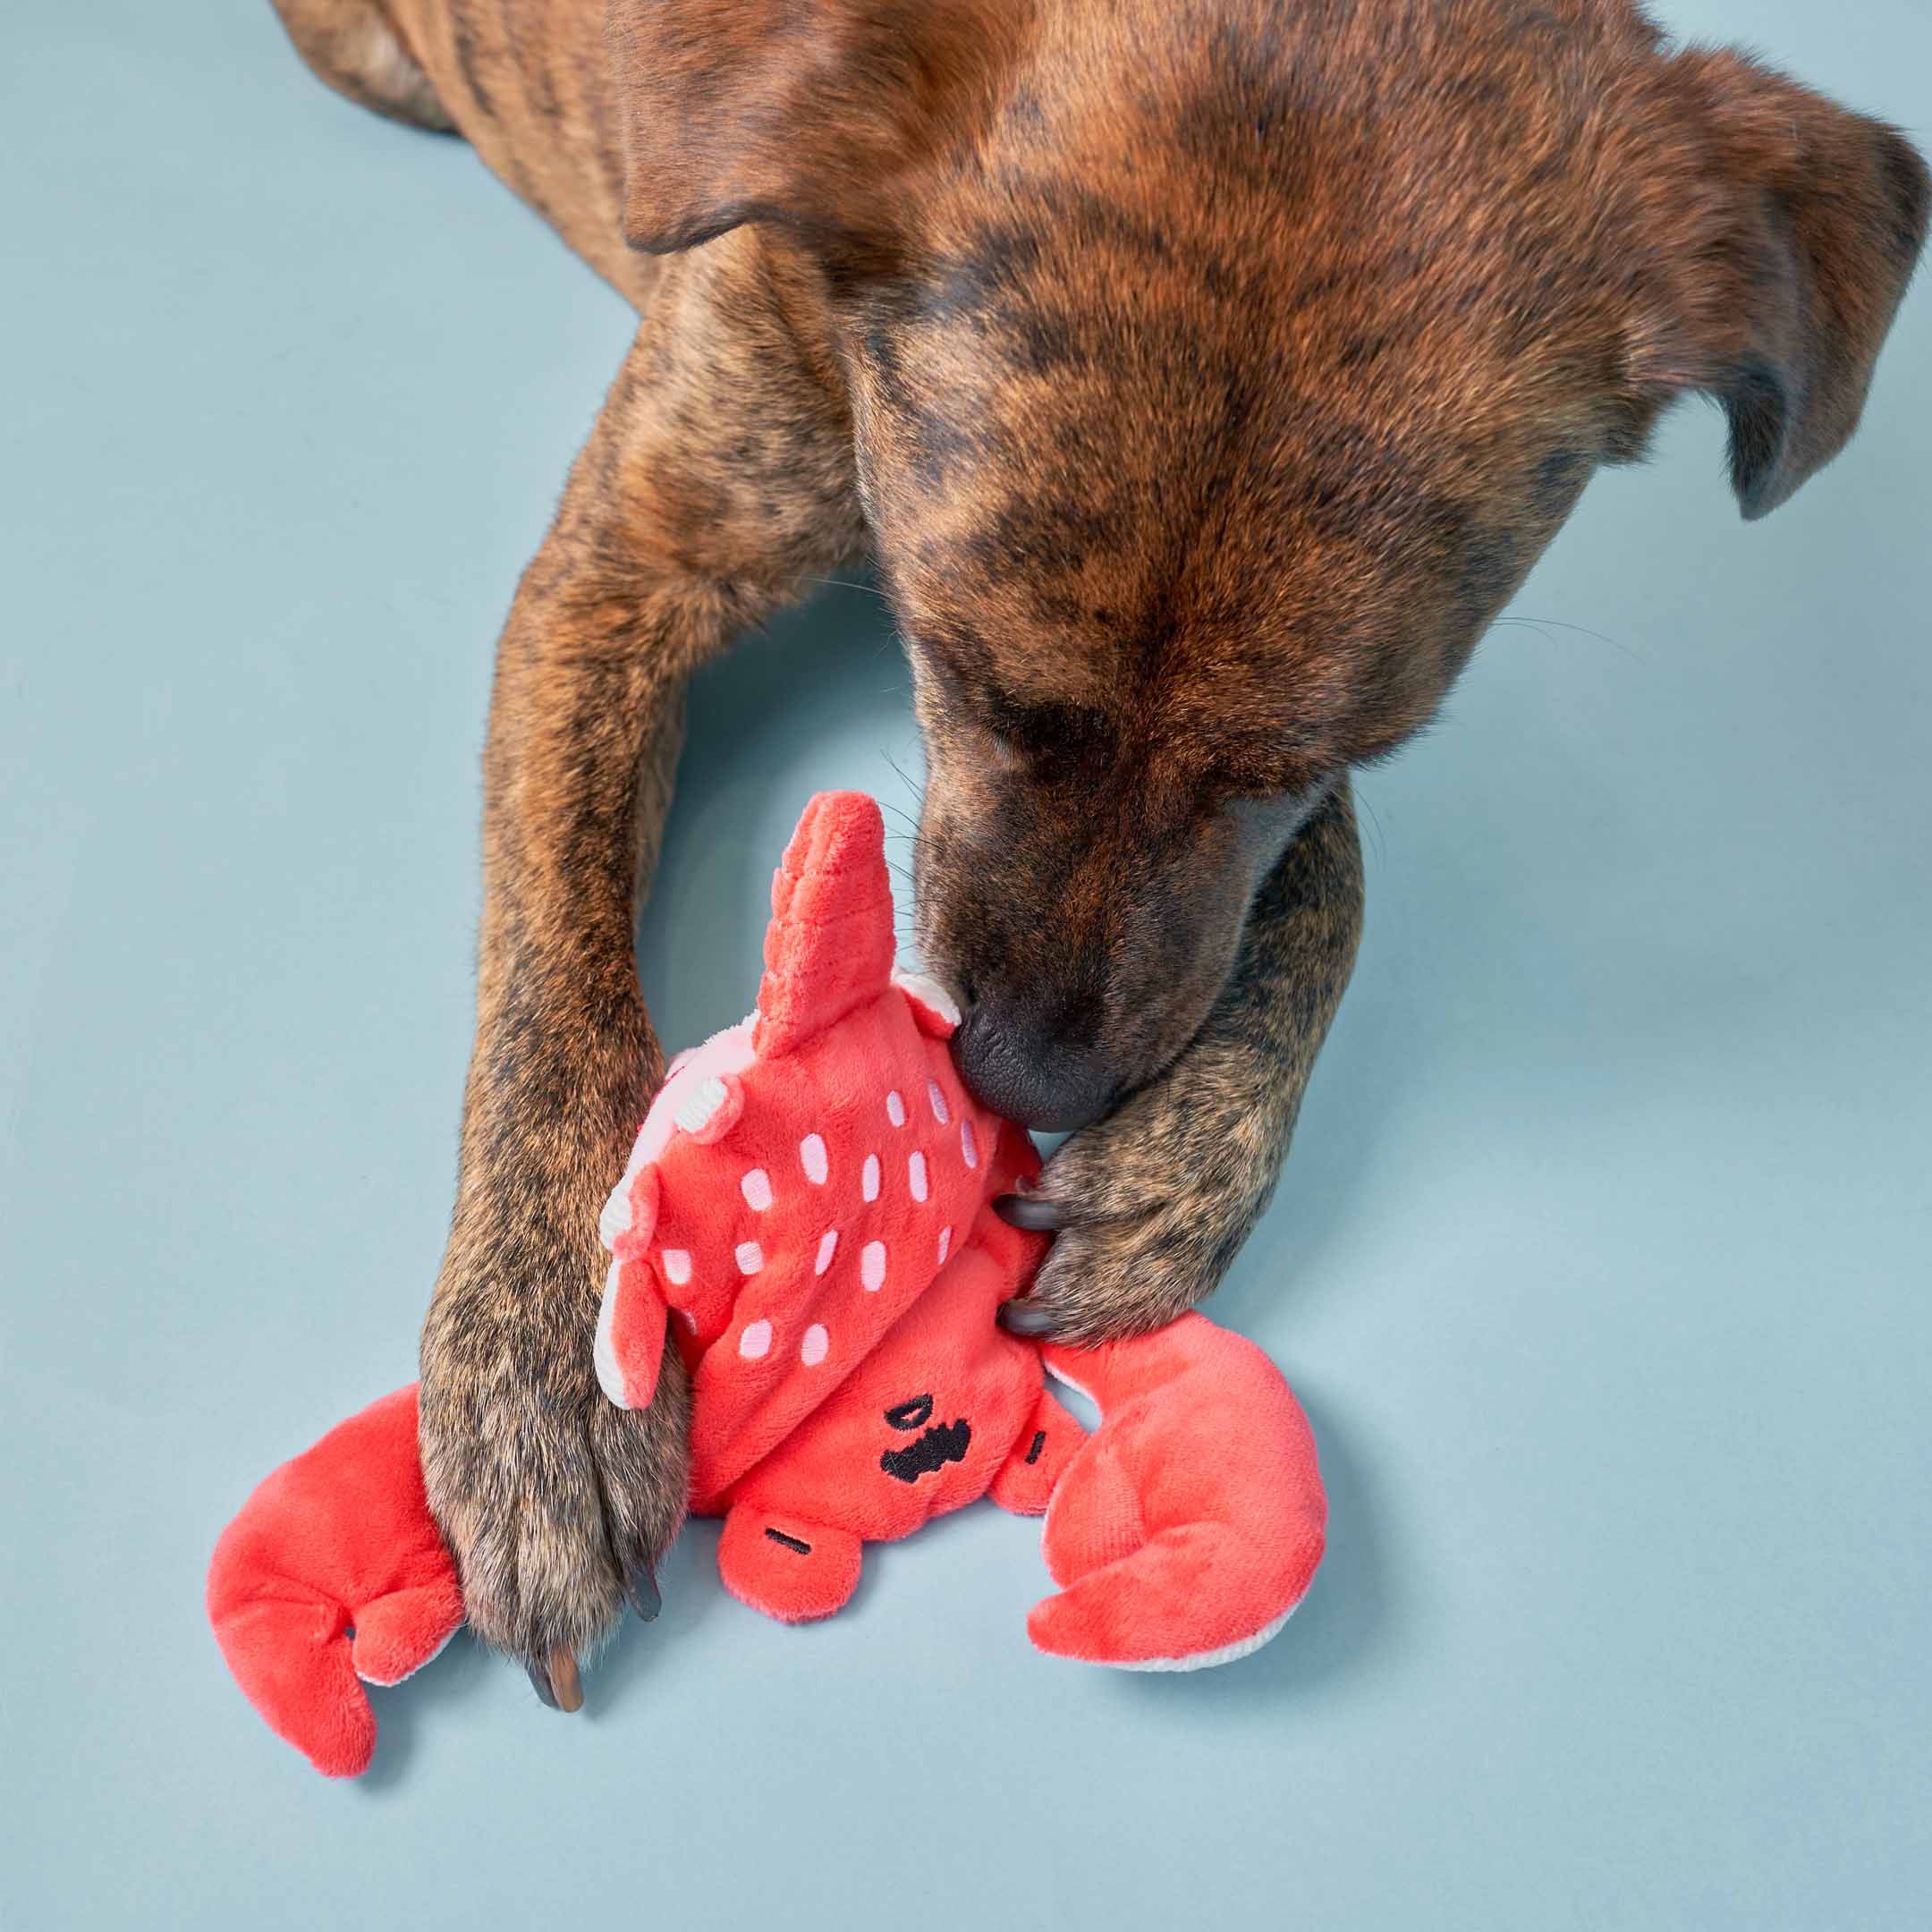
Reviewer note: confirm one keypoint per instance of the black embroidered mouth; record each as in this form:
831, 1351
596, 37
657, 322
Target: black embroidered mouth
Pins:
944, 1442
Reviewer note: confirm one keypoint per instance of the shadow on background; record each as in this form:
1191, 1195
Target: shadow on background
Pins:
814, 693
1351, 1614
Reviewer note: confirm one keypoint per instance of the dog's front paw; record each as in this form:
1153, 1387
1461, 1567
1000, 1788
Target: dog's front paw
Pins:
1149, 1205
556, 1504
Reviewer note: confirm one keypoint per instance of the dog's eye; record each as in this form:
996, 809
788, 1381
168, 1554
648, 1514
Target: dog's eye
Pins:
1044, 731
911, 1415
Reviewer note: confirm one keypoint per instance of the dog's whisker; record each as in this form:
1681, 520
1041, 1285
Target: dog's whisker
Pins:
845, 583
903, 778
1375, 820
1543, 626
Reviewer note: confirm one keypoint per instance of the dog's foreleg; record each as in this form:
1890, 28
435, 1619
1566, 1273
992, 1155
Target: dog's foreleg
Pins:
712, 488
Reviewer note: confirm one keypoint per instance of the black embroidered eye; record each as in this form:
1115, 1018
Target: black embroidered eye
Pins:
911, 1415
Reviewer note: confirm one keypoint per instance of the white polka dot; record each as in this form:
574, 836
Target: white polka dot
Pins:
869, 1181
895, 1109
755, 1340
945, 1241
916, 1174
676, 1266
750, 1257
755, 1187
969, 1146
938, 1102
812, 1349
827, 1248
872, 1265
811, 1157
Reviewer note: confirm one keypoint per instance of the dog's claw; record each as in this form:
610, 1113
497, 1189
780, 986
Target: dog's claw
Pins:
564, 1680
646, 1598
555, 1681
1028, 1318
1030, 1212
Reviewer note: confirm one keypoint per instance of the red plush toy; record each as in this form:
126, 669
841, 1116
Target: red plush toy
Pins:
809, 1201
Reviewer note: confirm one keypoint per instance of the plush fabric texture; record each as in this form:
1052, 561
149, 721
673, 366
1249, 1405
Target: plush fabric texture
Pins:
333, 1576
1187, 1529
808, 1211
810, 1198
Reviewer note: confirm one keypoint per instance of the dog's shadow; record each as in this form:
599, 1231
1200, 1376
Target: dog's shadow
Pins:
767, 724
420, 1705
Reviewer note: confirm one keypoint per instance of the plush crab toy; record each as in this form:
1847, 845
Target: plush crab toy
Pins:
807, 1216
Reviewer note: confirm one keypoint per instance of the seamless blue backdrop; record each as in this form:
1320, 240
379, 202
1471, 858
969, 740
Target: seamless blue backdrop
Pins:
1602, 1261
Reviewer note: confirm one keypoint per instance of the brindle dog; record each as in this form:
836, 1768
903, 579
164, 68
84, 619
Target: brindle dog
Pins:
1201, 376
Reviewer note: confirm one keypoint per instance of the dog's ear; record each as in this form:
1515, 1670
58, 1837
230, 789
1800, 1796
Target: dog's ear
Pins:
807, 113
1792, 249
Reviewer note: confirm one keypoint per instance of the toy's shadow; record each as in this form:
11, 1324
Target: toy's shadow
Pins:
1351, 1614
417, 1705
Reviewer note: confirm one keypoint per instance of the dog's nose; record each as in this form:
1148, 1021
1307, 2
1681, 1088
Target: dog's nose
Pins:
1016, 1065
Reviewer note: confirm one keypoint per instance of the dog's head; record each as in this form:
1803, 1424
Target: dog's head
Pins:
1217, 374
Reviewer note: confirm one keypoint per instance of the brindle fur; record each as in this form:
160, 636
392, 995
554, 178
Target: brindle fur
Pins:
1201, 379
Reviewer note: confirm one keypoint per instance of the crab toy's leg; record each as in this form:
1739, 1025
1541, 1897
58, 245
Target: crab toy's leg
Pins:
333, 1576
1049, 1442
790, 1569
1188, 1528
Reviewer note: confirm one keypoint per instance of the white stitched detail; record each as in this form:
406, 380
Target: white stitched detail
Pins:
603, 1347
696, 1109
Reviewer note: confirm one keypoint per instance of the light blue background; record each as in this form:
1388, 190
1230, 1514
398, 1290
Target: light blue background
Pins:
1602, 1261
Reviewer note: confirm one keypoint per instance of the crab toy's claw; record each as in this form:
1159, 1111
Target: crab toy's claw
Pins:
1187, 1528
334, 1576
